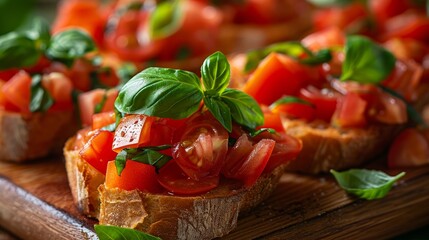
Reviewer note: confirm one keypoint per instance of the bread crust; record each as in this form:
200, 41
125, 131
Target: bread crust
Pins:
207, 216
23, 138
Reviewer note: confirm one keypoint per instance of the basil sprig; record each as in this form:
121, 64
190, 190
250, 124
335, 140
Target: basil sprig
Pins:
177, 94
365, 61
165, 19
147, 155
290, 100
69, 45
293, 49
41, 100
366, 184
105, 232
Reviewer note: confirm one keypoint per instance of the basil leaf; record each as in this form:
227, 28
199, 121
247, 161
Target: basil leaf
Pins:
161, 92
119, 233
289, 100
40, 32
253, 133
220, 111
125, 72
99, 106
216, 73
165, 19
365, 61
244, 109
18, 50
293, 49
41, 100
69, 45
366, 184
411, 111
147, 155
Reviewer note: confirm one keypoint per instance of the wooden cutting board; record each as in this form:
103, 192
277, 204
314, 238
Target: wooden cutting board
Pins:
36, 203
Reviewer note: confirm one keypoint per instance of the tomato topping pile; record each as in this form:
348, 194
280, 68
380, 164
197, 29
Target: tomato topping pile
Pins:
199, 150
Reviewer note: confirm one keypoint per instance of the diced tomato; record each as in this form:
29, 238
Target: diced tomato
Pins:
410, 24
89, 100
382, 10
108, 77
390, 109
103, 119
407, 48
17, 91
245, 165
272, 120
327, 38
352, 18
287, 148
277, 75
410, 148
84, 14
405, 78
172, 178
7, 74
135, 175
80, 74
302, 111
132, 131
98, 150
202, 147
60, 88
82, 137
350, 111
324, 100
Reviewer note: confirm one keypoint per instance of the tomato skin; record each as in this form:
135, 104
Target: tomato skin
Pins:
132, 131
103, 119
409, 24
296, 110
274, 71
350, 111
409, 149
60, 88
248, 167
351, 17
98, 150
202, 147
172, 178
327, 38
88, 101
287, 148
325, 101
272, 120
382, 10
17, 91
134, 176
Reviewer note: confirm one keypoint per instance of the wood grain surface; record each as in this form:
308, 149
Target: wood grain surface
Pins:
36, 203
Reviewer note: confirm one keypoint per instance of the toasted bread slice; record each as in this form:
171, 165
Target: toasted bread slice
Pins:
207, 216
24, 138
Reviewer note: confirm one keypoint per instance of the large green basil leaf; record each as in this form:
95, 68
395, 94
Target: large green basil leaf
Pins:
161, 92
18, 50
220, 111
365, 61
366, 184
105, 232
165, 19
69, 45
215, 73
244, 109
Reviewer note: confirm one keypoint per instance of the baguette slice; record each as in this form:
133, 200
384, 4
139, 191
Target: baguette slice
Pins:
207, 216
24, 138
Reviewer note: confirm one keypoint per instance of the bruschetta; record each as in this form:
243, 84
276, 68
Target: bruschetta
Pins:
346, 98
181, 158
180, 34
39, 76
